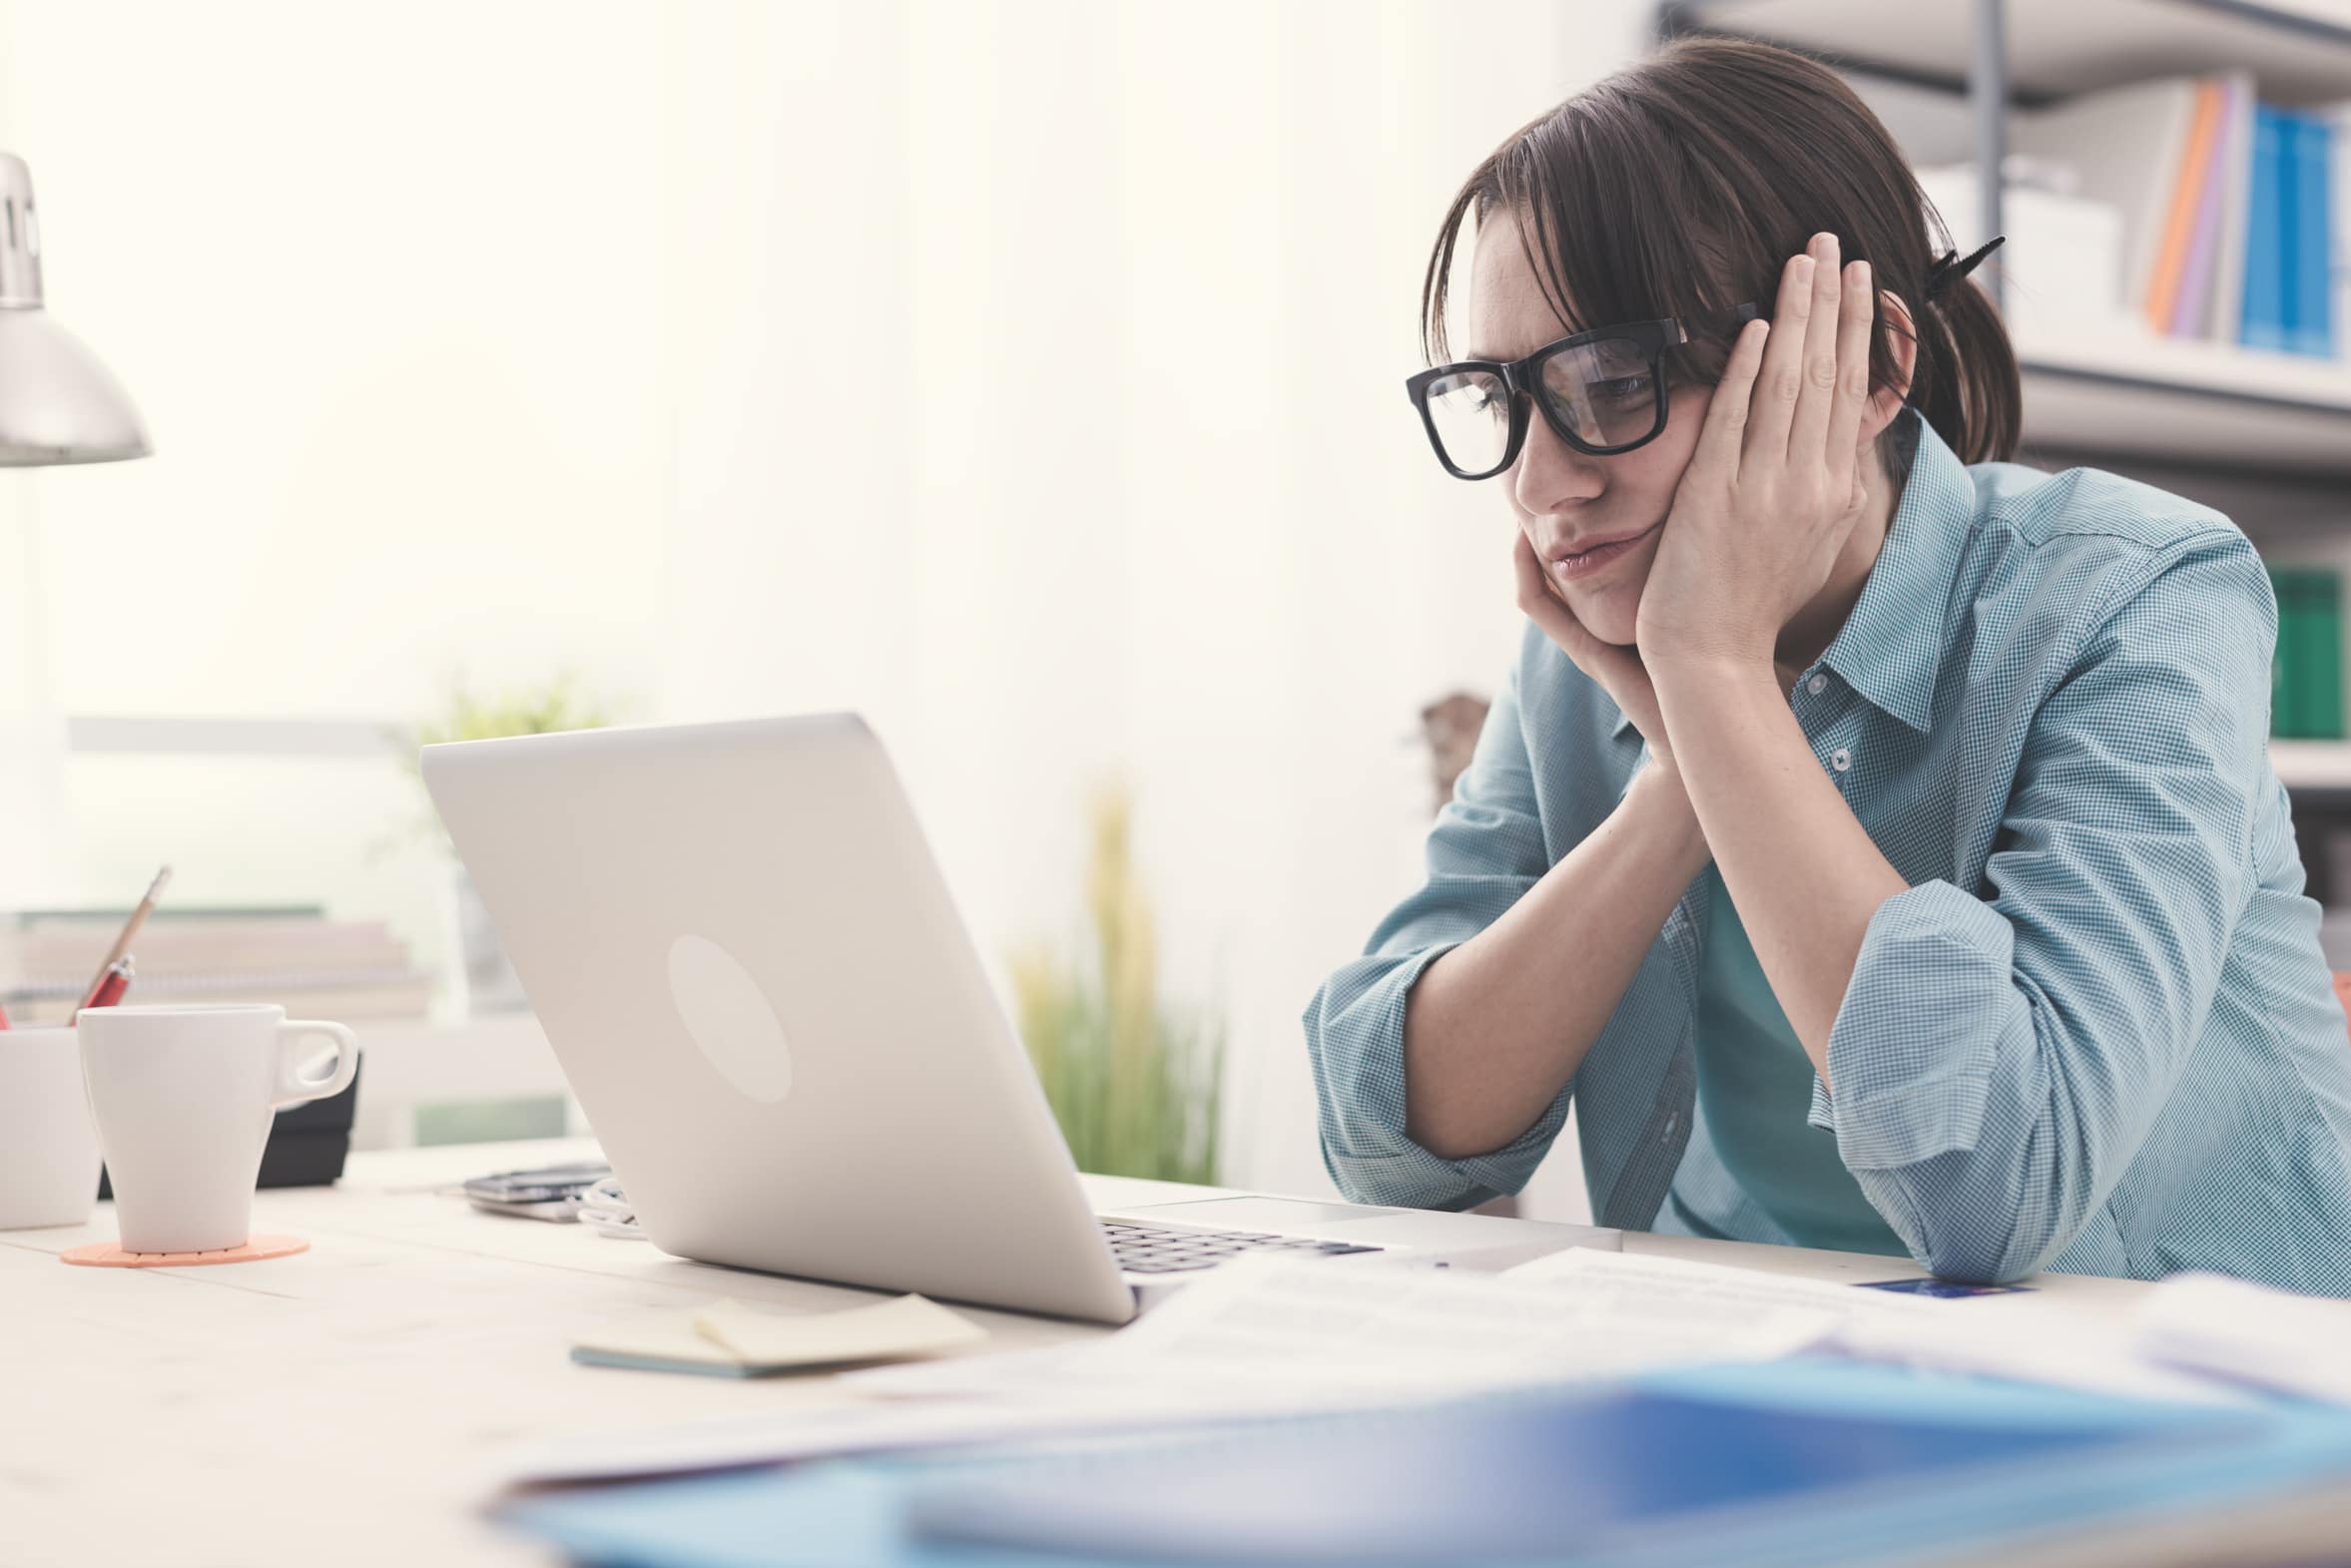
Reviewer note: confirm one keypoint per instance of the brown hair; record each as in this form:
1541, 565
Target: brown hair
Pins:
1683, 184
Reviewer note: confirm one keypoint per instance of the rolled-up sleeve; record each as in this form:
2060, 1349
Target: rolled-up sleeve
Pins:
1996, 1065
1484, 852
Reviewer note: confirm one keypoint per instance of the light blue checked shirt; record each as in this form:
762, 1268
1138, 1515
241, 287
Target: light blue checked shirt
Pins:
2096, 1034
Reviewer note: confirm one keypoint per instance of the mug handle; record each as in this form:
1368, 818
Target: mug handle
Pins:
292, 1088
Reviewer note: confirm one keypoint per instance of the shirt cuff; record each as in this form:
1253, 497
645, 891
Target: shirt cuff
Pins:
1911, 1052
1365, 1147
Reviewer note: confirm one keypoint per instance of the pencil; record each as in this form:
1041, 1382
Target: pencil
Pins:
111, 989
122, 943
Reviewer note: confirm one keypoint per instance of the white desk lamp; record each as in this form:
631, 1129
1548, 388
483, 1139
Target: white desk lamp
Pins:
58, 405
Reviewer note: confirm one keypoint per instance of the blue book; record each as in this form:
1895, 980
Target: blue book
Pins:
1788, 1465
1795, 1463
2312, 329
2263, 323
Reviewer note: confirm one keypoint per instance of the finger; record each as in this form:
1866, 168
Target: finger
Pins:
1809, 431
1720, 437
1781, 381
1858, 312
1551, 613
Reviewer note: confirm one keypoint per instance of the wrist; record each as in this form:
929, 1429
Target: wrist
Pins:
1713, 668
1657, 798
1706, 691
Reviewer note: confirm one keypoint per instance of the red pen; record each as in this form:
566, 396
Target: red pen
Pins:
122, 942
112, 985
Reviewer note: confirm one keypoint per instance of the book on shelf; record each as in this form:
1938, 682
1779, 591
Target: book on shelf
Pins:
2306, 672
313, 966
2233, 211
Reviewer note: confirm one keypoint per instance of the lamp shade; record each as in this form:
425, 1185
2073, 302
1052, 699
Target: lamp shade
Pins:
58, 405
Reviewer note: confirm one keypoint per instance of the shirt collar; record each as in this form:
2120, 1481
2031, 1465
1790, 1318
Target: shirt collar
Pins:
1891, 646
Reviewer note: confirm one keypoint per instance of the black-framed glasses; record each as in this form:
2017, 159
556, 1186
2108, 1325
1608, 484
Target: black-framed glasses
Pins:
1602, 392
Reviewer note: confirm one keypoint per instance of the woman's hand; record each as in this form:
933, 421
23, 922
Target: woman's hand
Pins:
1619, 670
1774, 487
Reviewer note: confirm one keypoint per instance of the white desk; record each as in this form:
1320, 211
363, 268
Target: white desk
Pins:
339, 1407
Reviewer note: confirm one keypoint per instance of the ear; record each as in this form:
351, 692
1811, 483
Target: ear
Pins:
1894, 320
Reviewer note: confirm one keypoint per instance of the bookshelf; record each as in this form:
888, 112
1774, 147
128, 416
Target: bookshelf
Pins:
2300, 49
2177, 399
2125, 394
2313, 767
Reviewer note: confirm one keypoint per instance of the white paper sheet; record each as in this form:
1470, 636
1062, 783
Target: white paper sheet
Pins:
2018, 1337
1266, 1322
2248, 1333
1636, 1285
1259, 1336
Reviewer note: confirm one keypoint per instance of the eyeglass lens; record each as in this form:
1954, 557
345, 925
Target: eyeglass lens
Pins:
1605, 393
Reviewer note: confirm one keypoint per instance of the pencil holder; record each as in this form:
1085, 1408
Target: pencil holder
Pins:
48, 1142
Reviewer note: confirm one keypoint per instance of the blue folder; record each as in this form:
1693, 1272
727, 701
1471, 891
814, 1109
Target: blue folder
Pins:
1802, 1463
2263, 323
2311, 329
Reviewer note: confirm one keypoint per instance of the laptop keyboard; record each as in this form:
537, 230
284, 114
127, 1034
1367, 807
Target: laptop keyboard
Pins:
1169, 1248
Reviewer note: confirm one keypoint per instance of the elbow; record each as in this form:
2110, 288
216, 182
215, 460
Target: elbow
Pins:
1443, 1140
1978, 1260
1991, 1232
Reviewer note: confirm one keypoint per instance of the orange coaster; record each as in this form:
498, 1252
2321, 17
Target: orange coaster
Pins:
110, 1254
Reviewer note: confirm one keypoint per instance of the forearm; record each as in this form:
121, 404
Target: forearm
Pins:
1799, 866
1495, 1027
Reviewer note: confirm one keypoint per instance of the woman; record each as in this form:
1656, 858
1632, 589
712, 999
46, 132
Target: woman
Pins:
1874, 840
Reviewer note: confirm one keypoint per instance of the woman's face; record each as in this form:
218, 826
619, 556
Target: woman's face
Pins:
1593, 521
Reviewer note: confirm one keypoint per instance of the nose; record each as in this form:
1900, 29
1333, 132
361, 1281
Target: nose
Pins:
1552, 477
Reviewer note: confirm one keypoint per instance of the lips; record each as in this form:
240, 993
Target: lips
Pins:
1601, 544
1593, 557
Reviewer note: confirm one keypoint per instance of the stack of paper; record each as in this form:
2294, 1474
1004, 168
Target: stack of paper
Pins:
1292, 1333
728, 1339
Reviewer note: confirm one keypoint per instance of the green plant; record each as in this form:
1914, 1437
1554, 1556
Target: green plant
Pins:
470, 717
558, 706
1133, 1084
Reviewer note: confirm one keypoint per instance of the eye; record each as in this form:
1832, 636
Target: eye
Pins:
1621, 389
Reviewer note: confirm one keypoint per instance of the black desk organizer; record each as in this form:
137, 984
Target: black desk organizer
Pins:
307, 1144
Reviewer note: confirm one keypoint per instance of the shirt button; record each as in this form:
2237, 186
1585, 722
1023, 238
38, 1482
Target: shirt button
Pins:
1817, 685
1840, 759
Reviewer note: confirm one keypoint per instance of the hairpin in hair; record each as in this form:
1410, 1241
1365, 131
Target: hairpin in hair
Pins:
1951, 267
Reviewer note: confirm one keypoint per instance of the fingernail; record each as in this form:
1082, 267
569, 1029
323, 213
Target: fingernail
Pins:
1804, 272
1824, 244
1859, 274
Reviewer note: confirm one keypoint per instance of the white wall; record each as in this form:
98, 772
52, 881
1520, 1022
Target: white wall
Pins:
1025, 374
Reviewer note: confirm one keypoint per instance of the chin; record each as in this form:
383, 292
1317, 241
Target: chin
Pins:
1609, 617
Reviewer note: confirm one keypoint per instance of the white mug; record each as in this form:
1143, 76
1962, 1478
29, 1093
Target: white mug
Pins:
48, 1147
184, 1097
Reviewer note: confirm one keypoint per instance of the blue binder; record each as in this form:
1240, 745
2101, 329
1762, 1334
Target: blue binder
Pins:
2263, 322
2310, 319
1805, 1464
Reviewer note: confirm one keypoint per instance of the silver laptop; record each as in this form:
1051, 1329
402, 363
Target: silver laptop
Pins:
751, 970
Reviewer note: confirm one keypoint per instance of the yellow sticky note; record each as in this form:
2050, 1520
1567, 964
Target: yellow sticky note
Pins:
905, 1326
